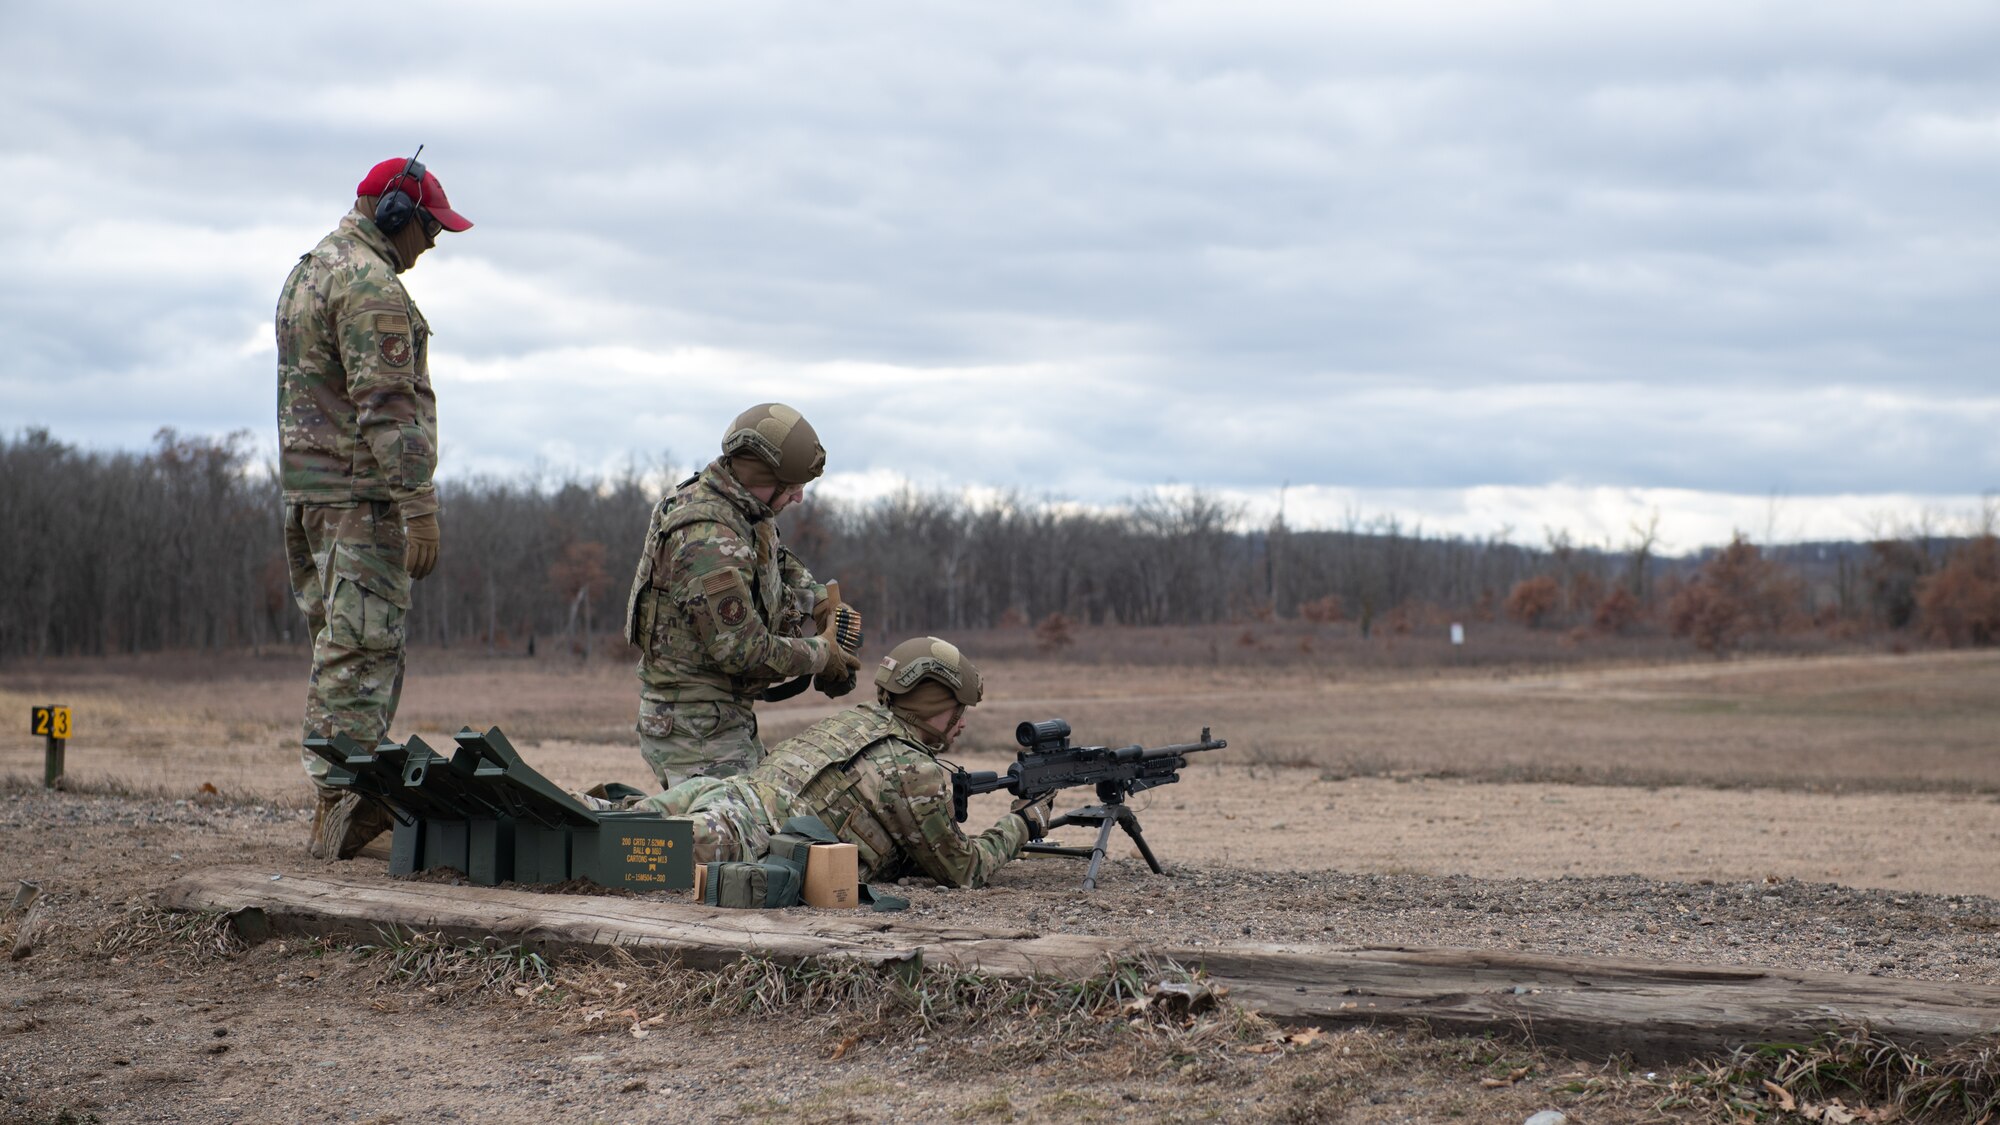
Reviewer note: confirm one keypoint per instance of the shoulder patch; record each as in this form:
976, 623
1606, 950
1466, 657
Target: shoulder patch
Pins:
391, 322
395, 350
728, 598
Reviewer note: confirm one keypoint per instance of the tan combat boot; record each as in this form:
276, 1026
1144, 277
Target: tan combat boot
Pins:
367, 820
345, 825
323, 811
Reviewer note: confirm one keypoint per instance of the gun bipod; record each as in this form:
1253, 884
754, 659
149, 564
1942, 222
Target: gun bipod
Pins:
1104, 817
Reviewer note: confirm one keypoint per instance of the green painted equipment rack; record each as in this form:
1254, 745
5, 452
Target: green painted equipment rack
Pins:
487, 813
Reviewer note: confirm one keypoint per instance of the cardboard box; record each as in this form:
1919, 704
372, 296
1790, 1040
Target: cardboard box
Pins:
700, 880
832, 877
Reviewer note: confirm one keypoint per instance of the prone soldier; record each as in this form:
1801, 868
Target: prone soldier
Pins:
722, 613
871, 774
357, 430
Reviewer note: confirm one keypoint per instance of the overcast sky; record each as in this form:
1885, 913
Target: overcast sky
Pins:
1493, 266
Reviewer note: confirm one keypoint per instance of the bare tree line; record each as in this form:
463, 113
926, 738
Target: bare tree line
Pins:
172, 548
180, 547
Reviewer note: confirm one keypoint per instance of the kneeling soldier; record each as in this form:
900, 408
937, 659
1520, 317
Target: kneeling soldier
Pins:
871, 774
721, 613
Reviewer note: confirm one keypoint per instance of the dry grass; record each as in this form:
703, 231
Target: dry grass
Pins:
199, 937
1158, 1010
446, 969
1859, 1075
1875, 770
1422, 642
1136, 1019
1120, 1024
154, 727
1064, 1049
1153, 1010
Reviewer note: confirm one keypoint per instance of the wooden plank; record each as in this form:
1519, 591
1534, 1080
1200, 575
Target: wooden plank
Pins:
1591, 1006
701, 936
1596, 1006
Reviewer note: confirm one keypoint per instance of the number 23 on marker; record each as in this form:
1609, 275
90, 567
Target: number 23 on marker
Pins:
50, 722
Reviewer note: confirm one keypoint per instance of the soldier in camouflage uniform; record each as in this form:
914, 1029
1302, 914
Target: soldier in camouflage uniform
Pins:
871, 774
357, 430
721, 613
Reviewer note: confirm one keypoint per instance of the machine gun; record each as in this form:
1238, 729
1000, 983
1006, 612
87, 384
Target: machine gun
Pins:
1047, 763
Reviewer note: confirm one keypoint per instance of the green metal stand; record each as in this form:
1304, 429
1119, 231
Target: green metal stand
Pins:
487, 813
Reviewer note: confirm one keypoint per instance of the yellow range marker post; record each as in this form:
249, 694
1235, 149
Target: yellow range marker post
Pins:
52, 723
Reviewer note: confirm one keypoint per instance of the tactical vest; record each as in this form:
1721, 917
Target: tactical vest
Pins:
813, 764
674, 666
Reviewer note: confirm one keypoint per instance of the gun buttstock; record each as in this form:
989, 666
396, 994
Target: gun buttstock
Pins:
966, 784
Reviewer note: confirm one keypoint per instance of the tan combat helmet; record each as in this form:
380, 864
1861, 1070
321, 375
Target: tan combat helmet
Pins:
927, 658
781, 438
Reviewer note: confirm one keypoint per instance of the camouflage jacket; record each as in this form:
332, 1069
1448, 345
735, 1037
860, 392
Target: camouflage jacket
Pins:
868, 775
356, 416
720, 611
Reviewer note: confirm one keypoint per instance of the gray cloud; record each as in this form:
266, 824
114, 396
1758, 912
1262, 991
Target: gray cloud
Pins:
1725, 248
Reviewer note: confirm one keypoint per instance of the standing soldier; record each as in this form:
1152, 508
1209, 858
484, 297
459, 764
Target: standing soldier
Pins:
357, 427
721, 613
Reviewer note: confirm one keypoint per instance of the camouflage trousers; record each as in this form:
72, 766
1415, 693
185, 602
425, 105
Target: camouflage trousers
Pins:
685, 740
349, 579
730, 820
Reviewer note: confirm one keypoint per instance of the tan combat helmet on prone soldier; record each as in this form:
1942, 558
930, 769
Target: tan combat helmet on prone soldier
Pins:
780, 439
924, 677
928, 658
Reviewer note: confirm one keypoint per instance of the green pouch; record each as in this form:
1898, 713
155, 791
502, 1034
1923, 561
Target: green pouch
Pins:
753, 886
789, 850
794, 842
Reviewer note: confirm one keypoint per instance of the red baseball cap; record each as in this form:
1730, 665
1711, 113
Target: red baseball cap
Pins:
431, 198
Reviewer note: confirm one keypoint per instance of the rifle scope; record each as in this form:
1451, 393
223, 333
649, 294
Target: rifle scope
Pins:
1044, 733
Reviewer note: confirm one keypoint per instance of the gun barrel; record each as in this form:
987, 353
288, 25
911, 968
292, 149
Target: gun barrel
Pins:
1188, 748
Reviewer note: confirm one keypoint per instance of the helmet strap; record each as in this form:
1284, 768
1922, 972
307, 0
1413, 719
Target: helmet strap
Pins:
951, 724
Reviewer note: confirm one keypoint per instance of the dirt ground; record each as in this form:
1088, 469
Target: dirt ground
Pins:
1837, 813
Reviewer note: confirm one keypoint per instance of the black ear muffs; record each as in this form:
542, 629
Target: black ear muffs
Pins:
396, 207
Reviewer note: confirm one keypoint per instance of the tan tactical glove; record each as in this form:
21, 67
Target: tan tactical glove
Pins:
836, 681
422, 556
1037, 813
